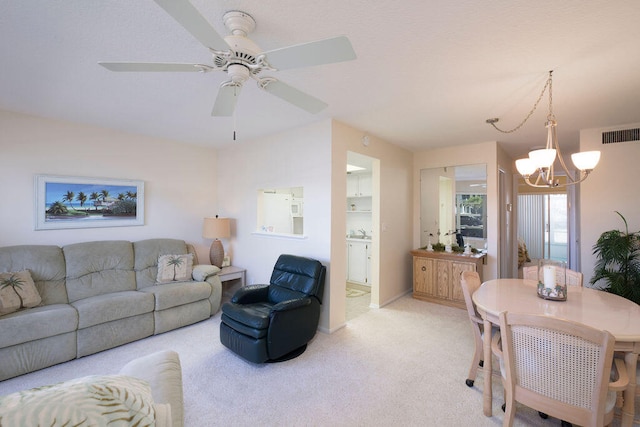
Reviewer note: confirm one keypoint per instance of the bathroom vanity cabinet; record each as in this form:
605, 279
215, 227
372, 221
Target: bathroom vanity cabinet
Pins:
436, 275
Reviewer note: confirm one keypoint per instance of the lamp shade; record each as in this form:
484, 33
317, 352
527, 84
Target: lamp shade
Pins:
586, 160
543, 158
525, 166
216, 228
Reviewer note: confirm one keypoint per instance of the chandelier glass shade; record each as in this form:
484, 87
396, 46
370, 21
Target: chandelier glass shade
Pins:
538, 169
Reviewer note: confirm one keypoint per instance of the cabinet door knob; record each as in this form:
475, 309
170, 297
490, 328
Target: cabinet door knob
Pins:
424, 268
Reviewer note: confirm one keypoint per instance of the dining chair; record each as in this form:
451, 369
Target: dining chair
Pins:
560, 368
470, 282
573, 278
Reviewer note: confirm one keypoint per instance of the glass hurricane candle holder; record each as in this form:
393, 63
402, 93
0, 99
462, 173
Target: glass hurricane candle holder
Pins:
552, 279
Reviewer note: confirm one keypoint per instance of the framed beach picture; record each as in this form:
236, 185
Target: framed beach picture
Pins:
78, 202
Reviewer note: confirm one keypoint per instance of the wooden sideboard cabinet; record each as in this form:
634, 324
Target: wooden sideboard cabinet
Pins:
436, 275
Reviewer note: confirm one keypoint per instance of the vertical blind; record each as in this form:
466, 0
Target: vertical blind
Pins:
531, 223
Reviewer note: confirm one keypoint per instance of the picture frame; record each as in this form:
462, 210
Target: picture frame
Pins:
63, 202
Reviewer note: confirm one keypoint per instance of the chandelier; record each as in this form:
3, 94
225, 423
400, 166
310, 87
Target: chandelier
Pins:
538, 169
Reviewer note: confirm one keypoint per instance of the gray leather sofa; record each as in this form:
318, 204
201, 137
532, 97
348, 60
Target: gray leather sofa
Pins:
95, 296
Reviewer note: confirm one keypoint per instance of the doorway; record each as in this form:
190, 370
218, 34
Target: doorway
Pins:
543, 225
362, 233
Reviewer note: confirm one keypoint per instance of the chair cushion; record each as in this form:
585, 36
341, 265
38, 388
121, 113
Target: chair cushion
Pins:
300, 274
253, 315
244, 329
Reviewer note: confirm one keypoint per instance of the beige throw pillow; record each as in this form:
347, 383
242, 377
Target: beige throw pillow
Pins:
17, 291
174, 268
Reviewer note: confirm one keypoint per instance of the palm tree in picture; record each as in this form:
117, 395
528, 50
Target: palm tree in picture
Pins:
13, 282
68, 197
94, 197
131, 195
121, 196
175, 261
57, 208
82, 198
104, 195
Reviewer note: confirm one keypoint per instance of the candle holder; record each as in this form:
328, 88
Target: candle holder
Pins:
552, 280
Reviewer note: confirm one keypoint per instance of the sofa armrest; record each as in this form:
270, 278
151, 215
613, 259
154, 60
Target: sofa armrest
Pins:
163, 372
201, 272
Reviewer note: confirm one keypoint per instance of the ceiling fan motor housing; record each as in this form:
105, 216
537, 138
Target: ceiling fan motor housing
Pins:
243, 50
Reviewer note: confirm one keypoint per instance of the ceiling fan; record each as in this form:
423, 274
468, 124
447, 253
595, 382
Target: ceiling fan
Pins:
241, 58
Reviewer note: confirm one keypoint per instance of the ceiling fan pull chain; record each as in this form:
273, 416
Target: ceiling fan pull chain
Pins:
235, 94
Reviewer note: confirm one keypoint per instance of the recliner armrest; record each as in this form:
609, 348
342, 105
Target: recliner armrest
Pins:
291, 304
251, 294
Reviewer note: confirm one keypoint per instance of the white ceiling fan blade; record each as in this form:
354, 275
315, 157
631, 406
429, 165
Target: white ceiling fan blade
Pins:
189, 17
292, 95
226, 100
154, 66
327, 51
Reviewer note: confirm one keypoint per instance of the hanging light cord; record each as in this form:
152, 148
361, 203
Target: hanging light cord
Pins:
493, 122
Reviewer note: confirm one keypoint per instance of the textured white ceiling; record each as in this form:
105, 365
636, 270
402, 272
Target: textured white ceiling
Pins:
428, 74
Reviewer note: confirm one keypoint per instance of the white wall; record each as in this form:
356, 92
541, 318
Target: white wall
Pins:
179, 180
612, 186
296, 158
486, 152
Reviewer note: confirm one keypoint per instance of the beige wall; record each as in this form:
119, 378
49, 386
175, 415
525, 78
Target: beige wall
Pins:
392, 233
612, 186
486, 152
180, 180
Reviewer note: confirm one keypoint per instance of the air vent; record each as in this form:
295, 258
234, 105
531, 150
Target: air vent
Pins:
625, 135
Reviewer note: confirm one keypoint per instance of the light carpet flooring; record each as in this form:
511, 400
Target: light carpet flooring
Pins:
402, 365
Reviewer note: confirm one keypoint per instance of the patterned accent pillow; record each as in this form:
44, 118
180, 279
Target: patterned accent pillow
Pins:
110, 400
17, 291
174, 268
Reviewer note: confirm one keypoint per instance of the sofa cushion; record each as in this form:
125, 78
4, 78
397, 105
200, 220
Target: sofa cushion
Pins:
17, 291
106, 308
37, 323
174, 268
109, 400
174, 294
46, 265
97, 268
147, 253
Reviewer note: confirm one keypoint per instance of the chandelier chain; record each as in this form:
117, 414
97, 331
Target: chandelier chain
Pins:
548, 84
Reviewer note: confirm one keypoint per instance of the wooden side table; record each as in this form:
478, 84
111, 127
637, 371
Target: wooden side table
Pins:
232, 273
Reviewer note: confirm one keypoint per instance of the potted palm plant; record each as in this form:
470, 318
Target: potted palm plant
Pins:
618, 263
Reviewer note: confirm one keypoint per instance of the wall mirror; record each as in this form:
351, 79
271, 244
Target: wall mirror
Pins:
453, 200
280, 211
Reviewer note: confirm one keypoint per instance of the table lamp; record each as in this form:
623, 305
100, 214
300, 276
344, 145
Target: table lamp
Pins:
216, 228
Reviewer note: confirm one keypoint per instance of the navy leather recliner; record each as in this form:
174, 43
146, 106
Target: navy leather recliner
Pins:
274, 322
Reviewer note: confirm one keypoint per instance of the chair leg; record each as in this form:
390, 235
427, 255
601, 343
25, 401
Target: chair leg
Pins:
477, 358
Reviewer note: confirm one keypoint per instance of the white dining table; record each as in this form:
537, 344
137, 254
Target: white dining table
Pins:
599, 309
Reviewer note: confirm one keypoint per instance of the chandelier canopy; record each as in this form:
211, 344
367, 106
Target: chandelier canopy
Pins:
538, 169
